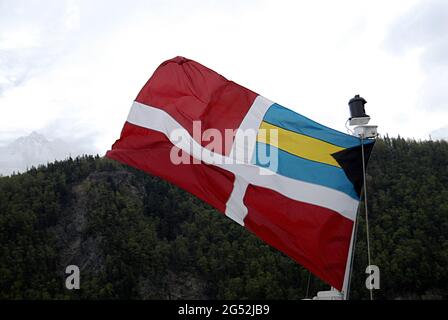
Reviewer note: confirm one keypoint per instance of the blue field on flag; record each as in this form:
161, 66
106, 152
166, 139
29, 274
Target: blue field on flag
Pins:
306, 170
285, 118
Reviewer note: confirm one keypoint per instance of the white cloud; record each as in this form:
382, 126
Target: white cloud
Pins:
310, 57
422, 30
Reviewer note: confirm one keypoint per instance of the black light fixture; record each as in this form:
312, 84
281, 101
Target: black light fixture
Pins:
358, 114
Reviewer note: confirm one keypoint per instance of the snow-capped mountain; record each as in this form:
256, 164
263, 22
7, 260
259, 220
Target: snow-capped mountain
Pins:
32, 150
440, 134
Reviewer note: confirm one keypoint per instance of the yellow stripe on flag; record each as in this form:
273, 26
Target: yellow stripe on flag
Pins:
299, 144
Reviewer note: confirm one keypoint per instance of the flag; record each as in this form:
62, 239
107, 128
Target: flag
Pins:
291, 181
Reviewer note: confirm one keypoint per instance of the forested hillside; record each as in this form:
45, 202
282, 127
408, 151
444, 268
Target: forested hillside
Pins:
136, 236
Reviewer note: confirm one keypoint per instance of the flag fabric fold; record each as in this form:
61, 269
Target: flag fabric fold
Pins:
291, 181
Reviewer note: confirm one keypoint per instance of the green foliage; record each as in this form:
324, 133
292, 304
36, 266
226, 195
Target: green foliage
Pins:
135, 236
408, 219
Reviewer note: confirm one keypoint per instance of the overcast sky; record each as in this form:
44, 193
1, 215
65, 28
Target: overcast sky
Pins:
70, 69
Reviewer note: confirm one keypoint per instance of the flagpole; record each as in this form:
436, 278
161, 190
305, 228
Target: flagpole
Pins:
366, 211
349, 268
